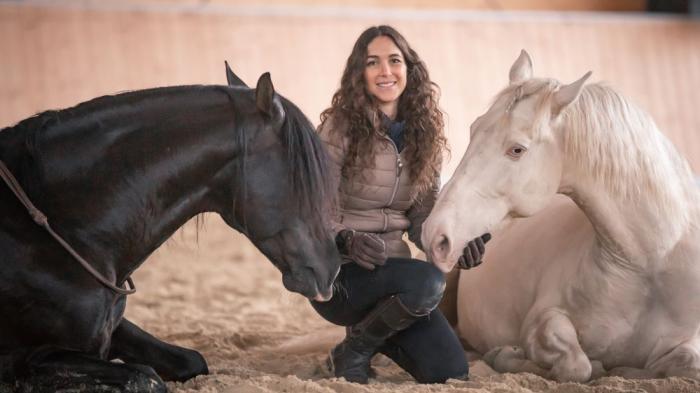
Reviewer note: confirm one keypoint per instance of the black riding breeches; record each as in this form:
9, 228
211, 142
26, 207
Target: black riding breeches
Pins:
429, 349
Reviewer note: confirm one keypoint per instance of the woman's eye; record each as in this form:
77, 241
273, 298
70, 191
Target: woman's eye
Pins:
516, 151
396, 61
371, 63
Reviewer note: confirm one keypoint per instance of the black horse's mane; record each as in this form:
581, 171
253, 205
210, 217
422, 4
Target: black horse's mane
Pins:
97, 104
33, 126
308, 164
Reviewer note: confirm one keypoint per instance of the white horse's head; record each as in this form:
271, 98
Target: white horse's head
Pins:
512, 167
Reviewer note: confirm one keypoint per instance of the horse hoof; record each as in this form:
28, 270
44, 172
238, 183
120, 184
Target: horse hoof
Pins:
490, 356
597, 369
191, 365
499, 352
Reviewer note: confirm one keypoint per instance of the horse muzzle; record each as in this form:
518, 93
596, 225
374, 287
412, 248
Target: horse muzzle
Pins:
305, 283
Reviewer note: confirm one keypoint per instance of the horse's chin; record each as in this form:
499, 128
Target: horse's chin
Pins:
323, 298
307, 288
444, 266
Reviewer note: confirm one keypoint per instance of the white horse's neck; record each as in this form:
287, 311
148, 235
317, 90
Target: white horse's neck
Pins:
639, 196
635, 234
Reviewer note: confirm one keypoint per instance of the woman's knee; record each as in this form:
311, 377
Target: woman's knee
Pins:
425, 290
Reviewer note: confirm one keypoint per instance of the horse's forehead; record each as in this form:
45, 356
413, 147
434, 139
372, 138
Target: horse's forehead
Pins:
524, 100
525, 110
504, 117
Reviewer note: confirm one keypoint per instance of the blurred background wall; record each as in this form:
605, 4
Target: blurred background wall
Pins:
55, 54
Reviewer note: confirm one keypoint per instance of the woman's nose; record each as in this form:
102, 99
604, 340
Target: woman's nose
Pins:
386, 69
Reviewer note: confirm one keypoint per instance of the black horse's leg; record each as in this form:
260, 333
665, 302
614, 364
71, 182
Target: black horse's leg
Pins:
51, 369
133, 345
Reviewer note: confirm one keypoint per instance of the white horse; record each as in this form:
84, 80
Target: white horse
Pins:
570, 293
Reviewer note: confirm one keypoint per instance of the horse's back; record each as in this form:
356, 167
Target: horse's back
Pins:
523, 260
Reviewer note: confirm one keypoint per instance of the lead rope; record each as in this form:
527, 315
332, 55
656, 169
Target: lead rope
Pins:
41, 220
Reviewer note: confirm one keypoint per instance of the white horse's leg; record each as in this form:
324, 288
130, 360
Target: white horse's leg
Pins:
511, 359
682, 361
553, 342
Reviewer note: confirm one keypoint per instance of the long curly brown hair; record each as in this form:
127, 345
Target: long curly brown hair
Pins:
355, 107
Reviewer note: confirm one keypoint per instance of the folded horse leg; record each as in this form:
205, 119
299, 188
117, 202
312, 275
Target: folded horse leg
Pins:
133, 345
553, 341
682, 361
50, 369
551, 350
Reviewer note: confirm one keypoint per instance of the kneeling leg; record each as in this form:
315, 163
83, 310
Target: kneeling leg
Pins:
133, 345
429, 350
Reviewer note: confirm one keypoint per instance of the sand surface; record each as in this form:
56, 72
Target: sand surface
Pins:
217, 294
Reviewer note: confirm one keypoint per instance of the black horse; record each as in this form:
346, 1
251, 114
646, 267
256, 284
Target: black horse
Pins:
116, 176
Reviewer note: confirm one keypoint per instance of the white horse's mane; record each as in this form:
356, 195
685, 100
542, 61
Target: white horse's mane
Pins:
612, 140
615, 140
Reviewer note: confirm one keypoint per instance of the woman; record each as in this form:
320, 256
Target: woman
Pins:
384, 133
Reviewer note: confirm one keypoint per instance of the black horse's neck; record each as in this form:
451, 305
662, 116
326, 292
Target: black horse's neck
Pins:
118, 175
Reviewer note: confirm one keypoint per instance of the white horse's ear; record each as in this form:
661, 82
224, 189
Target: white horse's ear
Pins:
568, 94
521, 70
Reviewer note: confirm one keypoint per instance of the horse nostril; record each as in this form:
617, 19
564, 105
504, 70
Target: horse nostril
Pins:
441, 247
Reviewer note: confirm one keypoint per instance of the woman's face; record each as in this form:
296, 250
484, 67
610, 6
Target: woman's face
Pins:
385, 73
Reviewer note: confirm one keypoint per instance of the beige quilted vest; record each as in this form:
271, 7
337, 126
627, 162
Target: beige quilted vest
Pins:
380, 201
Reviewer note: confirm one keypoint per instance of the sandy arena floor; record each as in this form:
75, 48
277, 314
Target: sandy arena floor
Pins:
221, 297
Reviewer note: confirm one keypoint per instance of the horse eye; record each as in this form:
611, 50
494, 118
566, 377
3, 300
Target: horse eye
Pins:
516, 151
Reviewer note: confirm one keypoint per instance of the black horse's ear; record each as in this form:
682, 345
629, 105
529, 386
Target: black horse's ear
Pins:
232, 79
264, 94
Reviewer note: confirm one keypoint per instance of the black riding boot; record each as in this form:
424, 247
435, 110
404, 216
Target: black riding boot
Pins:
351, 358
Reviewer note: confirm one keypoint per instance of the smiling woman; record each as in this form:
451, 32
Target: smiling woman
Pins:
385, 74
384, 131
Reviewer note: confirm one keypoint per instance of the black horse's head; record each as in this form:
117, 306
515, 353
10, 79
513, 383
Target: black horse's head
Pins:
281, 193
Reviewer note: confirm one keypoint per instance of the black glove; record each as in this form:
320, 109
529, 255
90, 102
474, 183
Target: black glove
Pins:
474, 252
366, 249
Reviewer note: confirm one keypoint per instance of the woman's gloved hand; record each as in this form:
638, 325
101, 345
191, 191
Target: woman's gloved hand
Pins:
474, 252
366, 249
